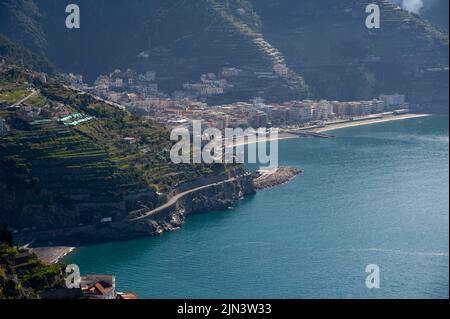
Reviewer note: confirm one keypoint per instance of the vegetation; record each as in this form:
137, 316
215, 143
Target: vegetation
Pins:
24, 276
22, 56
22, 20
56, 175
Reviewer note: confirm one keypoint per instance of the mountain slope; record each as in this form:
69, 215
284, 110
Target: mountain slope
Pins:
21, 21
325, 45
178, 39
328, 43
24, 276
18, 54
69, 159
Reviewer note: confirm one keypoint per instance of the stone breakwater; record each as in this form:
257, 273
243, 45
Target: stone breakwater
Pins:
276, 177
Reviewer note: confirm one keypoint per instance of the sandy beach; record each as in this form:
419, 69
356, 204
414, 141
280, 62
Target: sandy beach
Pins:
336, 126
281, 136
52, 255
362, 122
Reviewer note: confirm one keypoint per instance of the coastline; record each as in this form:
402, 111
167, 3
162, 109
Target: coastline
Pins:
276, 177
335, 126
53, 255
281, 136
369, 121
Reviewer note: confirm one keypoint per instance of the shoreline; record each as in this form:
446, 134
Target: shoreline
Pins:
281, 136
335, 126
276, 177
52, 255
369, 121
55, 254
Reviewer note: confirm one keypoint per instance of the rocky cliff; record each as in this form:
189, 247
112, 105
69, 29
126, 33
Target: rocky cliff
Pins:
216, 197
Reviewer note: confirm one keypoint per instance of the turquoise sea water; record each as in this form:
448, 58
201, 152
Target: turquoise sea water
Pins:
375, 194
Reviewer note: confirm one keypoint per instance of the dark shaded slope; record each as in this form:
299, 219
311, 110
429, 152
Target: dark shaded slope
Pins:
178, 39
21, 20
18, 54
328, 43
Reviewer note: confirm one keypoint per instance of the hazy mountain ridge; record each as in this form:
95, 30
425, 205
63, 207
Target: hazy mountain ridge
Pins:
21, 21
435, 11
324, 42
180, 40
18, 54
341, 59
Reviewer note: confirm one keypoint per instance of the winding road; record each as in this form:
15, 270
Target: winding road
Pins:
177, 197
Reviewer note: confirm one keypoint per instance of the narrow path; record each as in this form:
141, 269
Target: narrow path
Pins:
29, 96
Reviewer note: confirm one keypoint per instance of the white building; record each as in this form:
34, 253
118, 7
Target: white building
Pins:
229, 72
281, 70
119, 82
149, 76
393, 100
324, 110
306, 113
366, 107
378, 106
212, 91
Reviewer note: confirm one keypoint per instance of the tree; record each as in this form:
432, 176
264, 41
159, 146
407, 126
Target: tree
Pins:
6, 235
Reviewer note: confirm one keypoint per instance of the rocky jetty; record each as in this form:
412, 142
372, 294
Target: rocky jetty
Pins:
275, 177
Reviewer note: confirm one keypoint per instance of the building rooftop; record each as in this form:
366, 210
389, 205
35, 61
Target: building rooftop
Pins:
127, 296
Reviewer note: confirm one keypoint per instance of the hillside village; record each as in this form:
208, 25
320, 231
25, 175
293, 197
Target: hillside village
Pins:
139, 93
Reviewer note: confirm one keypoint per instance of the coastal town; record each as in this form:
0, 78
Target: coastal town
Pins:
139, 93
213, 150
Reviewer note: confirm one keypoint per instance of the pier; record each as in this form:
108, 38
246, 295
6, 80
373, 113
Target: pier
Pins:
310, 134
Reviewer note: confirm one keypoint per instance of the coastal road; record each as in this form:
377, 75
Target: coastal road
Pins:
177, 197
98, 98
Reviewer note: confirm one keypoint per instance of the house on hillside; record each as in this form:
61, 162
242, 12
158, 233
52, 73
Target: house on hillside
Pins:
98, 286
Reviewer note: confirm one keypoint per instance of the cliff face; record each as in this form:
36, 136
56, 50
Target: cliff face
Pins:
216, 197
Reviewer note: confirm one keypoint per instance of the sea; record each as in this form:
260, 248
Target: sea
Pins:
373, 201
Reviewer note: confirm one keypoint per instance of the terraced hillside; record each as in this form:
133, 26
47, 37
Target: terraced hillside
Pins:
68, 159
179, 39
329, 44
24, 276
321, 46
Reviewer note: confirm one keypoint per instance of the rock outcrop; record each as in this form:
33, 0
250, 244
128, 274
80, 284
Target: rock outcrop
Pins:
277, 177
213, 198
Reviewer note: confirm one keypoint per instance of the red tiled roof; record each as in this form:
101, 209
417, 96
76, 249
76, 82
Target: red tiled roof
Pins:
99, 288
128, 296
